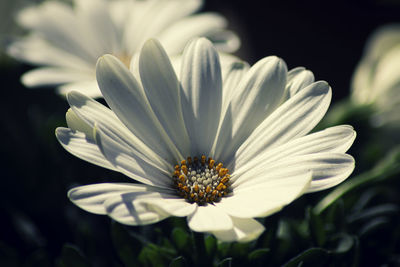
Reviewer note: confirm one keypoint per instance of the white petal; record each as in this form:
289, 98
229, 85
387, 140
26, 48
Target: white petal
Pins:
336, 139
162, 89
298, 78
328, 169
266, 195
382, 40
127, 99
178, 206
53, 76
125, 208
202, 93
337, 170
57, 23
235, 72
131, 162
87, 87
80, 146
386, 74
294, 118
95, 22
209, 218
92, 112
92, 197
225, 41
34, 49
75, 123
258, 94
134, 66
175, 37
148, 18
244, 230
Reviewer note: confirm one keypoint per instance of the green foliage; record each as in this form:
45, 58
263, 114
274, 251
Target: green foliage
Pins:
72, 256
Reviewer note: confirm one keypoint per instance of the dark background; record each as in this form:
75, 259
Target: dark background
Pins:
326, 37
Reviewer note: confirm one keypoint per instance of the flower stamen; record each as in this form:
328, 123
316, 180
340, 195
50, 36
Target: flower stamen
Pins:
201, 181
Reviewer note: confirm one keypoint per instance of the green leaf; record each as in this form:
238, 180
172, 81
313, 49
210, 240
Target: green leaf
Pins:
225, 262
309, 257
344, 243
380, 210
180, 238
366, 198
211, 246
223, 248
240, 250
334, 216
258, 254
126, 246
71, 256
374, 225
178, 262
150, 256
316, 227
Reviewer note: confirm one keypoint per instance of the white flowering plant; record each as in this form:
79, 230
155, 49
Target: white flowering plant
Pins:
181, 154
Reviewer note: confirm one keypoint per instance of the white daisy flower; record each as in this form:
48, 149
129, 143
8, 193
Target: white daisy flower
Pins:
66, 40
376, 80
220, 153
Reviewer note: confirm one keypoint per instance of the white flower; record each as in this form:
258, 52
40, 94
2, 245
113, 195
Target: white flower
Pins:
67, 41
376, 80
158, 125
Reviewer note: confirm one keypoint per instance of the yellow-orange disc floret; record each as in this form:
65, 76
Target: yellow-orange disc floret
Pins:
201, 181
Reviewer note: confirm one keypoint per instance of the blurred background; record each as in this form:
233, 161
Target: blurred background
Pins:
40, 227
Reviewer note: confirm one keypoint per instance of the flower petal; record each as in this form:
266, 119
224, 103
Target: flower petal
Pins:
297, 79
202, 93
125, 208
80, 146
234, 74
224, 40
131, 162
296, 117
244, 230
92, 197
34, 49
328, 169
209, 218
178, 206
337, 170
336, 139
56, 22
75, 123
53, 76
127, 99
92, 112
175, 37
258, 94
96, 23
88, 87
148, 18
162, 90
266, 194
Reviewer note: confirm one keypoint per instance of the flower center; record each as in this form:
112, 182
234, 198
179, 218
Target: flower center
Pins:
201, 181
125, 58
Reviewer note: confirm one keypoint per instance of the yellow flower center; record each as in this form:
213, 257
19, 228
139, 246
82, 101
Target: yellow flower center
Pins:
201, 180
